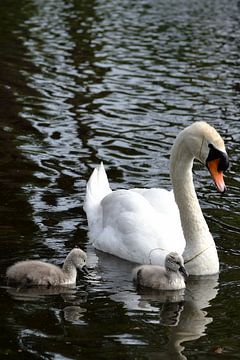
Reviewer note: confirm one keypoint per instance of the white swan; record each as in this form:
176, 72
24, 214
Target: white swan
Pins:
35, 273
143, 225
169, 277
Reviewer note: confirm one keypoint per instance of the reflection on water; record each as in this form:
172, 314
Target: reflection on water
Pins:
183, 312
194, 318
85, 81
73, 313
68, 293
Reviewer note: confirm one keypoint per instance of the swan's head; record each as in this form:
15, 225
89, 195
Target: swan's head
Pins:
78, 257
174, 262
206, 145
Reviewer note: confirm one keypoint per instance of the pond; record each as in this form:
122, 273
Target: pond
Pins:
114, 81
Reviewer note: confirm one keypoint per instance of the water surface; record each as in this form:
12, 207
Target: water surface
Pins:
85, 81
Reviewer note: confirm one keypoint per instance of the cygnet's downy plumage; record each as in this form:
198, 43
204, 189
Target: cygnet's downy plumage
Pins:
35, 273
170, 277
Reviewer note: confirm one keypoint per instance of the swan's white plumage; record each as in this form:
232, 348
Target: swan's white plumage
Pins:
132, 223
143, 225
97, 188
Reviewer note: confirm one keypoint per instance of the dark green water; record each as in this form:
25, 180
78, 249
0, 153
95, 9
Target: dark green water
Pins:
85, 81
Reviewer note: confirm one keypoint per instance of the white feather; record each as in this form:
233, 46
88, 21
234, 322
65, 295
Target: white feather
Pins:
143, 225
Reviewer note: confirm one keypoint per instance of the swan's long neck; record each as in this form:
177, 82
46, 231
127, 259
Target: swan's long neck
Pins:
195, 229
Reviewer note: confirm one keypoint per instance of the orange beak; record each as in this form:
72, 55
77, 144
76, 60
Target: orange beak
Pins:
216, 175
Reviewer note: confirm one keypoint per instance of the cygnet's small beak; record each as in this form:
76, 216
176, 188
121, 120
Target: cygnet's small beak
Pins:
183, 271
84, 270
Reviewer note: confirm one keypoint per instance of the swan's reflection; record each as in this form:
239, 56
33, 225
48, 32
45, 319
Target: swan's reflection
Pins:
194, 318
183, 312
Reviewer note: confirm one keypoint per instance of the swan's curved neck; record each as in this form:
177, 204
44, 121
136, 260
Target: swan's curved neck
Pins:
195, 228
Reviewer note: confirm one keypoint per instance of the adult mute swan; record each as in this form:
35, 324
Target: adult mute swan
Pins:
144, 225
169, 277
35, 273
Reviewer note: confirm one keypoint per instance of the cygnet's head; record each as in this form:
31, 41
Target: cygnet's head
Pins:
78, 258
175, 262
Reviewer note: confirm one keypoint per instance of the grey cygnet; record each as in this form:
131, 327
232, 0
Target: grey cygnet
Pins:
170, 277
34, 272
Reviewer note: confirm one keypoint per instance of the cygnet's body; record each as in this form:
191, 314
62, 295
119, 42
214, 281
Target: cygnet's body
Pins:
35, 273
170, 277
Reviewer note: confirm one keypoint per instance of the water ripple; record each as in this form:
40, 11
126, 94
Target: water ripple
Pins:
116, 81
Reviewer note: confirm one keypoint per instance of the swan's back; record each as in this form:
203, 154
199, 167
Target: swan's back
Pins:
161, 200
132, 223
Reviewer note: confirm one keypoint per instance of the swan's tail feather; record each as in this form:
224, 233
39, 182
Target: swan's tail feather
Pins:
97, 188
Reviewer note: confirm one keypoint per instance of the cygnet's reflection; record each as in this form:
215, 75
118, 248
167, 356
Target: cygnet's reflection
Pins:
183, 312
25, 293
73, 313
69, 293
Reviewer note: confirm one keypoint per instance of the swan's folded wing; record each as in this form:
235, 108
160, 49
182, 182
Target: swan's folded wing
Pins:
161, 200
131, 227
